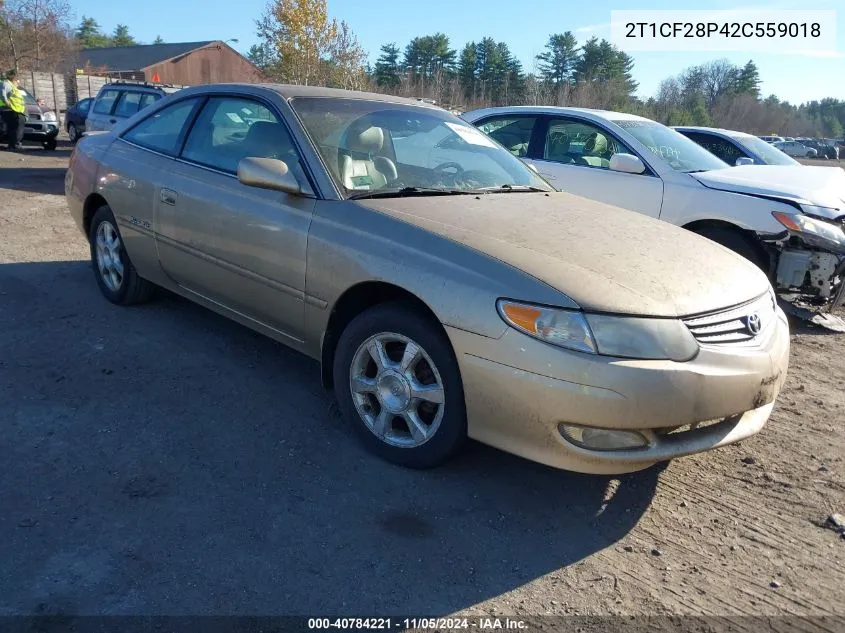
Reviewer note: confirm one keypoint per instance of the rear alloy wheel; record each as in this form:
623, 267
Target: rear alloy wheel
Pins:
397, 381
116, 276
73, 133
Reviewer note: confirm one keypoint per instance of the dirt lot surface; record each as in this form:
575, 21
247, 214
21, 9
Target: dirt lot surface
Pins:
162, 460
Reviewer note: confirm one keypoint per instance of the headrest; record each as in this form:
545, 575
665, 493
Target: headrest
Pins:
369, 140
268, 139
596, 144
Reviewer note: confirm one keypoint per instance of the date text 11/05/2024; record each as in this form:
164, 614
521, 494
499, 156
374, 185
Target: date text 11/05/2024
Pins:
361, 624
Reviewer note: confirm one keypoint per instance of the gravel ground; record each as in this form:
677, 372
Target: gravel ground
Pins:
162, 460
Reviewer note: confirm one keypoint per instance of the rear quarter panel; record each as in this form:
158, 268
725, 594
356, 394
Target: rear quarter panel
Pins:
128, 180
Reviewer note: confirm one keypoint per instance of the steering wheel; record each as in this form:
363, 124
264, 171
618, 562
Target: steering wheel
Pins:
440, 170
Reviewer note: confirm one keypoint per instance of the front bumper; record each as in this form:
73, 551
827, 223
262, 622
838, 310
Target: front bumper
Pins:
518, 390
40, 130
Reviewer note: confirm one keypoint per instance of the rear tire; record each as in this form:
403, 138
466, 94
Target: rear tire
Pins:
116, 276
73, 133
392, 405
738, 243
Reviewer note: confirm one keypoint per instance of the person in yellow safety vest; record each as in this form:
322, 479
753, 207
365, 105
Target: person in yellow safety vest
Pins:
14, 110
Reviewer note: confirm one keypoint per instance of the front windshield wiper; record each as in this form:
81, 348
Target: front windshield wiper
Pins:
410, 191
512, 189
695, 171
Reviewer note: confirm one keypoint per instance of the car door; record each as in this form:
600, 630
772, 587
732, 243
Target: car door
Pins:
100, 117
241, 247
574, 156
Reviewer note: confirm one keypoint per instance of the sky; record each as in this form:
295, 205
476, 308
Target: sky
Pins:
524, 25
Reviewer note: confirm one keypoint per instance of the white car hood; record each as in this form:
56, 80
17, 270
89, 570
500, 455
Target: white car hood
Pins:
819, 186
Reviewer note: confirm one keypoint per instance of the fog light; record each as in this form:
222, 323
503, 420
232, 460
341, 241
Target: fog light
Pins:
601, 439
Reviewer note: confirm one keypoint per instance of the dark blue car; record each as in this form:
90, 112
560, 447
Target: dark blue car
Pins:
75, 119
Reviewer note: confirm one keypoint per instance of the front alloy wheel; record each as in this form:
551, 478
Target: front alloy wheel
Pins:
396, 380
397, 390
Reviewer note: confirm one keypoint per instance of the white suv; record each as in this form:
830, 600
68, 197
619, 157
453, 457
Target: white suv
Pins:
787, 219
118, 101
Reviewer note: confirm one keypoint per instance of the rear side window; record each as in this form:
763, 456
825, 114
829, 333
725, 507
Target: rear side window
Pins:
163, 130
148, 99
128, 104
105, 101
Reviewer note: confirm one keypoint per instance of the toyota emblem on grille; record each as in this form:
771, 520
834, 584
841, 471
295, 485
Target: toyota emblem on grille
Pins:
752, 323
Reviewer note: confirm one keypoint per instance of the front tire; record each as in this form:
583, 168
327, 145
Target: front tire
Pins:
397, 381
50, 145
73, 133
116, 276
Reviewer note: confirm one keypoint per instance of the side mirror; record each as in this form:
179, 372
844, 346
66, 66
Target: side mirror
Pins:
627, 163
268, 173
744, 160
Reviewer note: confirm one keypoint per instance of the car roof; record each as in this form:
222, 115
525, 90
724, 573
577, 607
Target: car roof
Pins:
118, 85
289, 91
715, 130
607, 115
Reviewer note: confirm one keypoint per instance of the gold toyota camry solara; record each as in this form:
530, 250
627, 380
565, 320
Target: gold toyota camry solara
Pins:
446, 288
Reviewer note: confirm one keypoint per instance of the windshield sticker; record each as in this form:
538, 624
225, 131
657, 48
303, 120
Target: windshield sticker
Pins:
470, 134
362, 182
235, 118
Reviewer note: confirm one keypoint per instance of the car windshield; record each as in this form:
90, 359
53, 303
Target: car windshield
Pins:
770, 154
379, 148
679, 152
28, 98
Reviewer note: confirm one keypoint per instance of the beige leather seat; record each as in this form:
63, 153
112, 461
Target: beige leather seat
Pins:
360, 169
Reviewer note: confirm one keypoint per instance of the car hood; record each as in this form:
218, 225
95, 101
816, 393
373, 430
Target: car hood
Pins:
604, 258
820, 186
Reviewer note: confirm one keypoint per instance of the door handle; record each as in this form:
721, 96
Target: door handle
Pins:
168, 197
112, 120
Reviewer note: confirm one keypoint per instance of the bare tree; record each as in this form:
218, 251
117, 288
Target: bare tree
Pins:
36, 34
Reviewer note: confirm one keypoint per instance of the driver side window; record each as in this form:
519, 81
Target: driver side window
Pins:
514, 132
581, 144
230, 129
719, 147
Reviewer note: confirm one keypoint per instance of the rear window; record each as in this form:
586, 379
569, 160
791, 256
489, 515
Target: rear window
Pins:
105, 101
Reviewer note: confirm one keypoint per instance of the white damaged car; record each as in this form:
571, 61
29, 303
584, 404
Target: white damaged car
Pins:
788, 220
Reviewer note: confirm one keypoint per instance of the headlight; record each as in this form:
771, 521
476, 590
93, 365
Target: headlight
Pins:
625, 337
48, 116
807, 226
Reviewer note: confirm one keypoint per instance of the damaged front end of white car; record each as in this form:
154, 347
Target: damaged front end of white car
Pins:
808, 261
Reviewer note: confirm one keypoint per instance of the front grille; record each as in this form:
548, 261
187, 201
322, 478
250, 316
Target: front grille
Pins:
35, 117
735, 326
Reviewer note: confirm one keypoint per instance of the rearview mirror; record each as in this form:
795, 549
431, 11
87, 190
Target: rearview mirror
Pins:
627, 163
268, 173
744, 160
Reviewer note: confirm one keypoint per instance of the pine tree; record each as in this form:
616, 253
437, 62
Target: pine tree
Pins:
387, 70
557, 63
748, 80
121, 36
88, 34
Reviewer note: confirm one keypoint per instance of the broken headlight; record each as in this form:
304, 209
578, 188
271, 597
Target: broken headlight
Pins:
816, 232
